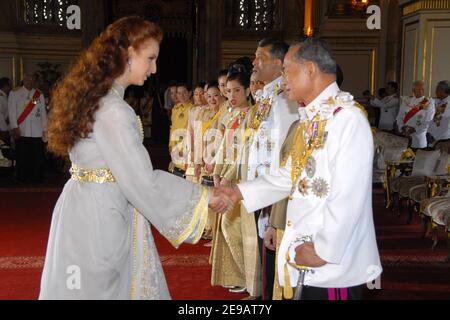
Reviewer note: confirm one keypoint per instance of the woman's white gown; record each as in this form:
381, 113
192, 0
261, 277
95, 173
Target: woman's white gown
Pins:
100, 244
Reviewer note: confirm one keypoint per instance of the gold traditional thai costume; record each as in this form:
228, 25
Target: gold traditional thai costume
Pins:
193, 118
252, 258
178, 144
227, 256
208, 117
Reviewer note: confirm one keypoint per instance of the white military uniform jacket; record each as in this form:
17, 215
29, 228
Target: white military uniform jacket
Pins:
36, 122
264, 150
388, 111
3, 111
420, 121
440, 126
333, 201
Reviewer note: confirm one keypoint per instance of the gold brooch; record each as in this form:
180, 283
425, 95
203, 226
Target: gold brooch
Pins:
320, 188
311, 167
303, 187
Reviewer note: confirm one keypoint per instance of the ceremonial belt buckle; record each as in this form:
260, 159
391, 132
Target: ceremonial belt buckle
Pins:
207, 181
99, 176
179, 173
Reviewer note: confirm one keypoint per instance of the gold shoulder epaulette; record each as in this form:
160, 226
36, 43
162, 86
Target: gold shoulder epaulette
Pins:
361, 107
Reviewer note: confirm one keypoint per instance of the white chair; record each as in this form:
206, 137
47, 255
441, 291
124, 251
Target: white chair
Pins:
388, 147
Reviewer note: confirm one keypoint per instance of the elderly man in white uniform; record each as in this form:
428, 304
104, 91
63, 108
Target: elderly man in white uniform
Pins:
415, 115
388, 107
439, 129
328, 178
28, 122
5, 89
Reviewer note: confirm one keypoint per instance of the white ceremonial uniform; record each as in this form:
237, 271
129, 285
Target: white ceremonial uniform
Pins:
420, 121
334, 203
440, 126
36, 122
264, 148
3, 111
264, 151
388, 111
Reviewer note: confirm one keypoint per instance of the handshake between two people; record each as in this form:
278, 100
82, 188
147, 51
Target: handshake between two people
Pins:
224, 198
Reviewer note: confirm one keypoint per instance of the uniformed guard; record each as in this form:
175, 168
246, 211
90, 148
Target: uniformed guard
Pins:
28, 122
388, 106
415, 115
5, 88
439, 129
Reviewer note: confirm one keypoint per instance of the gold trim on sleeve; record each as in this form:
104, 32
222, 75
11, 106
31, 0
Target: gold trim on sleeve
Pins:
198, 220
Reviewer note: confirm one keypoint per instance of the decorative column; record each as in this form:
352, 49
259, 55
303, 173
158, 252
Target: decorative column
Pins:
425, 34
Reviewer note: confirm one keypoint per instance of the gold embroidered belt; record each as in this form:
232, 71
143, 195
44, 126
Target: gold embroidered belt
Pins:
91, 175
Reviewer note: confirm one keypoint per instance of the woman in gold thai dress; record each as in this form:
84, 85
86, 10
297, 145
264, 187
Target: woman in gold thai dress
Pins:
193, 120
228, 263
205, 146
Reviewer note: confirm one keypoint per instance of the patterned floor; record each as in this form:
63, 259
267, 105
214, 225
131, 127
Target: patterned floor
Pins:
173, 260
201, 260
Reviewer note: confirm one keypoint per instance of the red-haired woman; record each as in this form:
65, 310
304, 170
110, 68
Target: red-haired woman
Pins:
100, 244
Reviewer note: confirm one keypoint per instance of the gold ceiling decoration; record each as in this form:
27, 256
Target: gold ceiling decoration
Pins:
426, 5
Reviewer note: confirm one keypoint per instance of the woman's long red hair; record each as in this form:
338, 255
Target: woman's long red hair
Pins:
75, 99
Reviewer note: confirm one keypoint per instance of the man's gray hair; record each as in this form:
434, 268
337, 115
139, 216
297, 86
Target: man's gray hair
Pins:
444, 85
317, 51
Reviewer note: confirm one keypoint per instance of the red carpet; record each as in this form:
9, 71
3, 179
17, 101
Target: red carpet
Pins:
24, 225
411, 269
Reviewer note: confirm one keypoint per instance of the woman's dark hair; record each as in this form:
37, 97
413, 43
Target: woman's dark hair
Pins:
184, 85
241, 70
243, 64
222, 73
212, 84
242, 77
200, 85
